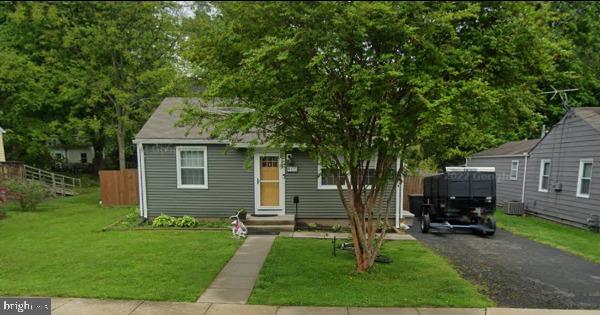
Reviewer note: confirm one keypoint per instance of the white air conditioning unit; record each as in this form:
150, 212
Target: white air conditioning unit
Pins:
514, 208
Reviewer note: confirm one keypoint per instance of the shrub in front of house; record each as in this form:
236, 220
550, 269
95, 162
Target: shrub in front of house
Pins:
164, 220
186, 222
336, 228
29, 193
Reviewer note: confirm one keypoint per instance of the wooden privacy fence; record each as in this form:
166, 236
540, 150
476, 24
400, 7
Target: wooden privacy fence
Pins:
412, 185
119, 187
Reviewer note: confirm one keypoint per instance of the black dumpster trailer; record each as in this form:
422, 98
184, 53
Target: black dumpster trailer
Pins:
462, 198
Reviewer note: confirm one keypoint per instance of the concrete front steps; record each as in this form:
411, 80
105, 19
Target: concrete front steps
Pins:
270, 225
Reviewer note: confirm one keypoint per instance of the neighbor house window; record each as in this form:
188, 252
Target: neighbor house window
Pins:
544, 175
83, 158
191, 167
584, 180
514, 170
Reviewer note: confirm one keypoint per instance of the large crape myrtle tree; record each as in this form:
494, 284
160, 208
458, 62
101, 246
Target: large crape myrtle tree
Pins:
367, 88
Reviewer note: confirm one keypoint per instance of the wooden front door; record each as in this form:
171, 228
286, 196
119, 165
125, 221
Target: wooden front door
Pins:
269, 181
269, 184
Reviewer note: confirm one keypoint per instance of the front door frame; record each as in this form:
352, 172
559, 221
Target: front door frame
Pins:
258, 209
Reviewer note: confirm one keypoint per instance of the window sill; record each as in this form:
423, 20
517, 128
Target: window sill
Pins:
583, 196
192, 187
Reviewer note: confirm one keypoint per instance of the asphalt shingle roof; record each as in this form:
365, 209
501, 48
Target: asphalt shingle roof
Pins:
162, 123
591, 115
510, 148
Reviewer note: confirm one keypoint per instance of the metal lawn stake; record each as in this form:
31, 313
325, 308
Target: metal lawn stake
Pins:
239, 229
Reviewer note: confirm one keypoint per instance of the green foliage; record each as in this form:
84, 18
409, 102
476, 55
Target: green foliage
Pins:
164, 220
312, 226
84, 72
336, 228
186, 222
29, 193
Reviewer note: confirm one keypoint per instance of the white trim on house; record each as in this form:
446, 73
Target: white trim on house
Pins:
514, 169
142, 181
202, 149
580, 177
258, 209
542, 164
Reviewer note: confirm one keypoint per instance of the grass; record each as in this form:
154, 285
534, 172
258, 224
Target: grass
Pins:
580, 242
132, 221
60, 251
304, 272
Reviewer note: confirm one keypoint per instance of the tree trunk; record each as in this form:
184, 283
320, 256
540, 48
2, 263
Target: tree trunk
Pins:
121, 143
98, 157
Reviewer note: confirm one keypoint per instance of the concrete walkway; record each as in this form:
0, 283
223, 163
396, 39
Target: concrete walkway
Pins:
236, 280
121, 307
330, 235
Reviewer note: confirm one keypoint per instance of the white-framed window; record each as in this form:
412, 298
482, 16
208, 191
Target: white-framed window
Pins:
326, 178
544, 175
514, 170
584, 180
192, 171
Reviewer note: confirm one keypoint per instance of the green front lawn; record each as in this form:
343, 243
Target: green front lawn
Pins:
304, 272
573, 240
59, 250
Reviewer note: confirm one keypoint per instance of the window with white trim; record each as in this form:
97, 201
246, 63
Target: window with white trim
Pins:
326, 178
514, 170
191, 167
584, 180
544, 175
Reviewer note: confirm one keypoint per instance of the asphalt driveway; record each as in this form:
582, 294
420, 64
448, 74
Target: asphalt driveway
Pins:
517, 272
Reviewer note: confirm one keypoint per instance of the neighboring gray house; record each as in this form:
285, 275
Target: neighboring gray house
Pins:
510, 161
562, 182
188, 172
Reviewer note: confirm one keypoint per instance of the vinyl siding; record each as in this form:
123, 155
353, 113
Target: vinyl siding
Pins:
506, 189
230, 184
569, 141
314, 202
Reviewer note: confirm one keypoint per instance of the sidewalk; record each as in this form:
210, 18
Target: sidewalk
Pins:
236, 280
62, 306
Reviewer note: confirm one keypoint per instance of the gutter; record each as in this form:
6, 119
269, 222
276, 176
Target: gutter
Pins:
497, 156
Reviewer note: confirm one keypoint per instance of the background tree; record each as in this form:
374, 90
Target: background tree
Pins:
359, 84
85, 72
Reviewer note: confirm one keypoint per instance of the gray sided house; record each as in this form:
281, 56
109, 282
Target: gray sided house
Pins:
510, 161
185, 171
562, 180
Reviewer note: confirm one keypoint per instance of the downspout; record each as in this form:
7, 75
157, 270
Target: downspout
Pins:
524, 178
398, 195
140, 190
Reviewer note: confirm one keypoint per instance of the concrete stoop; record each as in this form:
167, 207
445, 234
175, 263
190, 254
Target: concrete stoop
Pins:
270, 224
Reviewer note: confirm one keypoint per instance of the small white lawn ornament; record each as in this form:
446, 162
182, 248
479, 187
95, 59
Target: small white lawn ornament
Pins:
238, 229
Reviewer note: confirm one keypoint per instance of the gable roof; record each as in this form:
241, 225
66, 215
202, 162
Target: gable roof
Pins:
510, 148
590, 115
161, 125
